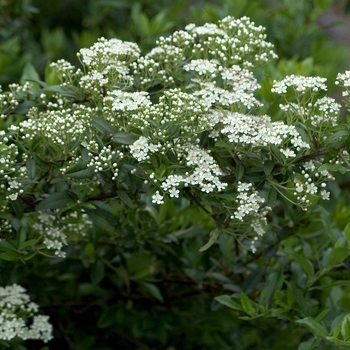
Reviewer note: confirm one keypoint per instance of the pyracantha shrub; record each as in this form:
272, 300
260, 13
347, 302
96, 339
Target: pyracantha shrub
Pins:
184, 122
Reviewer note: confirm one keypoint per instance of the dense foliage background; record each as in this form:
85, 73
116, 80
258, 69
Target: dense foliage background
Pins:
136, 278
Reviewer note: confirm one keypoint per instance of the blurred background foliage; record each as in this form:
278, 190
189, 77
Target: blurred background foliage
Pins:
148, 286
39, 32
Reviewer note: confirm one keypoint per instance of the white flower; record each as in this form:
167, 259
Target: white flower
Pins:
13, 196
15, 309
157, 198
325, 195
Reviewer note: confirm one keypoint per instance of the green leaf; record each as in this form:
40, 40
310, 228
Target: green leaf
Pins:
108, 317
18, 208
310, 344
247, 304
29, 73
268, 166
321, 315
271, 196
316, 328
97, 272
298, 297
5, 245
337, 256
153, 290
31, 168
10, 255
29, 256
347, 144
274, 283
125, 138
103, 126
229, 302
80, 171
21, 235
28, 243
347, 231
327, 224
345, 327
305, 264
126, 199
213, 238
239, 172
333, 167
54, 201
138, 264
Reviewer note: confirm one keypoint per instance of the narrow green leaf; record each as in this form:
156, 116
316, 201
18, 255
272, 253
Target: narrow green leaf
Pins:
316, 328
18, 208
247, 304
10, 255
26, 244
271, 196
347, 144
327, 224
54, 201
310, 344
97, 272
321, 315
125, 138
80, 171
345, 327
305, 264
153, 290
337, 256
290, 296
274, 283
229, 302
21, 236
213, 238
347, 231
31, 168
239, 172
268, 166
29, 256
126, 199
5, 245
29, 73
103, 126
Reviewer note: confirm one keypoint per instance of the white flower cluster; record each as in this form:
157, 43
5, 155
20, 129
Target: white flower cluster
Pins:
120, 101
310, 181
66, 72
11, 176
54, 237
204, 67
141, 148
105, 159
61, 127
205, 174
55, 233
300, 84
249, 201
250, 207
257, 131
237, 91
15, 309
319, 111
108, 62
175, 115
8, 103
234, 41
214, 96
343, 79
